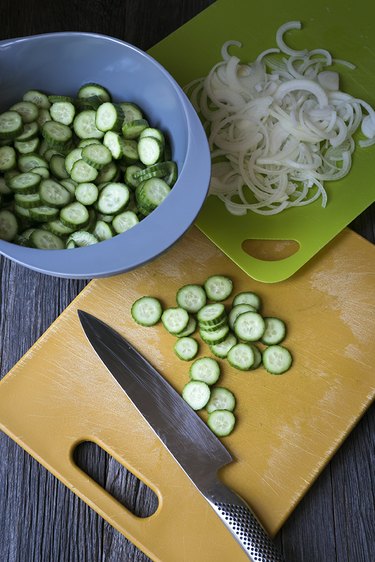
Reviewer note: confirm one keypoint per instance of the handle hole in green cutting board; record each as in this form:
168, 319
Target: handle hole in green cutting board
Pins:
270, 250
122, 484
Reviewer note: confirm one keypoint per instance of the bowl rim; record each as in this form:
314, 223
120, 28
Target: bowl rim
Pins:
190, 191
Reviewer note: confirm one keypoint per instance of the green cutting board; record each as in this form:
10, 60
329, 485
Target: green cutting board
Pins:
343, 27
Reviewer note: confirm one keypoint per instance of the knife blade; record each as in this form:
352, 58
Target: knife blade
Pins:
193, 445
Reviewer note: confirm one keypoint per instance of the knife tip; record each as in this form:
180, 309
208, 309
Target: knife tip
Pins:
82, 315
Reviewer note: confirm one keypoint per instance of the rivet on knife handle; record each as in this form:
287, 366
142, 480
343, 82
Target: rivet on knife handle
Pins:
243, 525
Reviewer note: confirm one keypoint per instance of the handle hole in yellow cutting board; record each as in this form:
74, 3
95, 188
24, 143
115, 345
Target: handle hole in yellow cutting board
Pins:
115, 478
270, 250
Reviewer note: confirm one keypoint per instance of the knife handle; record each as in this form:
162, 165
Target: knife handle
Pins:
242, 524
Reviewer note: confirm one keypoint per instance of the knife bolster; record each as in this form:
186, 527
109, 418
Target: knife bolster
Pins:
242, 524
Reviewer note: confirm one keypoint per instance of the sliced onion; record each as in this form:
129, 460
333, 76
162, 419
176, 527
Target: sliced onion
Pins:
280, 38
224, 49
281, 124
304, 84
329, 80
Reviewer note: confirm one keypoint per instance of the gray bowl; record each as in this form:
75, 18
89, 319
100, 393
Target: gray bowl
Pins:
61, 63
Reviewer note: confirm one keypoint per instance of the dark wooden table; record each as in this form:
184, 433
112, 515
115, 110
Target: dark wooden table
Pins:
40, 520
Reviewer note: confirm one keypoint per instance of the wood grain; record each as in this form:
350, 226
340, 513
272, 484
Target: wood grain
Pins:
40, 520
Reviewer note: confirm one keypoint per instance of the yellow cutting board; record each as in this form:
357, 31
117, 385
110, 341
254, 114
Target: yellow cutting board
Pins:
289, 426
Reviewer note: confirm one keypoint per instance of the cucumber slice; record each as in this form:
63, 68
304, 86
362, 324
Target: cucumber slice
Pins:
43, 213
109, 117
205, 369
97, 155
249, 326
171, 177
114, 142
27, 109
27, 200
72, 157
84, 125
58, 228
63, 112
130, 151
248, 297
257, 356
4, 188
113, 198
27, 182
92, 220
211, 314
43, 117
215, 336
275, 331
54, 194
42, 172
82, 172
277, 359
123, 221
150, 150
147, 311
44, 240
105, 218
85, 142
57, 167
218, 287
186, 348
56, 134
86, 193
236, 311
241, 356
131, 111
27, 146
221, 399
7, 158
196, 394
70, 185
175, 319
190, 328
82, 238
159, 170
221, 349
74, 215
8, 225
11, 124
29, 131
23, 214
49, 152
23, 239
151, 193
130, 175
102, 230
92, 89
40, 99
154, 133
221, 422
191, 297
57, 98
26, 162
108, 173
91, 102
132, 129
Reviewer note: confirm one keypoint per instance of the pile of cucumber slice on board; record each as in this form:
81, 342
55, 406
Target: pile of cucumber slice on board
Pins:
75, 171
238, 333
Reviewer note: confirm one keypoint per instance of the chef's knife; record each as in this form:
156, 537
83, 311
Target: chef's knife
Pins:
197, 450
